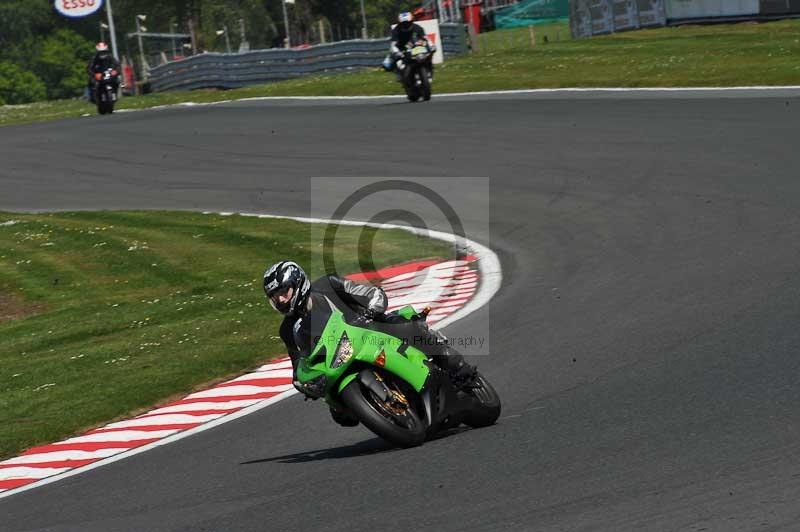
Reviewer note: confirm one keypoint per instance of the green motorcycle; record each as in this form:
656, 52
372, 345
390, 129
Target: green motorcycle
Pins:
390, 386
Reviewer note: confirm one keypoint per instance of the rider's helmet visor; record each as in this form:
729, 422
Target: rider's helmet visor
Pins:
281, 295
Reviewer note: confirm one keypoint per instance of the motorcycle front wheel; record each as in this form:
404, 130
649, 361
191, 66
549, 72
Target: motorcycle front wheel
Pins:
105, 107
412, 93
425, 88
395, 420
105, 103
409, 81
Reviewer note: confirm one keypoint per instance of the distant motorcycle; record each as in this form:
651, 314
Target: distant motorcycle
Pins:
106, 86
415, 70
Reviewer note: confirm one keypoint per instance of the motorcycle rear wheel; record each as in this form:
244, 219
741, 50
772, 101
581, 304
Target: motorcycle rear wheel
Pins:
489, 404
375, 415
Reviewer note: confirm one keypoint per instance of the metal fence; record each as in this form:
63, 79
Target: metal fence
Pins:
598, 17
229, 71
779, 7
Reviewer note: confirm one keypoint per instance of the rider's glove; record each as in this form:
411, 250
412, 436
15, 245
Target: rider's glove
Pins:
364, 318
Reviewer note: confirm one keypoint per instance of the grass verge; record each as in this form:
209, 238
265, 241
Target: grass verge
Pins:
108, 313
742, 54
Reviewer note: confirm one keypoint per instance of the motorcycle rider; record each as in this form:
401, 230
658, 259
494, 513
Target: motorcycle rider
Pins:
306, 310
404, 32
103, 60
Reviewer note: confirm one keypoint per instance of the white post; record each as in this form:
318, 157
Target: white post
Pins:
145, 66
286, 24
111, 30
244, 46
227, 38
363, 21
174, 28
193, 36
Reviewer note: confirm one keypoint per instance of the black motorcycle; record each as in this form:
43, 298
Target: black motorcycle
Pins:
415, 69
106, 87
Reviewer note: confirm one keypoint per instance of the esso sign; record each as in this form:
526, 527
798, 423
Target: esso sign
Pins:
77, 8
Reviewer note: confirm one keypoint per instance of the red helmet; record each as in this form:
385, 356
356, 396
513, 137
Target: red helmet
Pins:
101, 47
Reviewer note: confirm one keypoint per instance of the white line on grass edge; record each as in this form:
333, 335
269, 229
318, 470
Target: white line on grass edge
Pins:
565, 90
491, 277
525, 91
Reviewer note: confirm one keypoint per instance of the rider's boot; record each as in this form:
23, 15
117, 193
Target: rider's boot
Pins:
446, 357
461, 372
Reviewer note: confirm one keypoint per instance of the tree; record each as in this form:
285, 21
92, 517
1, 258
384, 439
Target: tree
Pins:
21, 20
19, 86
34, 37
381, 14
62, 63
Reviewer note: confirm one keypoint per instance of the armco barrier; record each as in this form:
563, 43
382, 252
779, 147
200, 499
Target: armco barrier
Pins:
228, 71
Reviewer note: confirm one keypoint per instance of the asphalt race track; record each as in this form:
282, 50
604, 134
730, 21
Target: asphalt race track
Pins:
645, 340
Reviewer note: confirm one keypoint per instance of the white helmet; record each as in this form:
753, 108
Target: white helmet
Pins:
279, 280
405, 20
